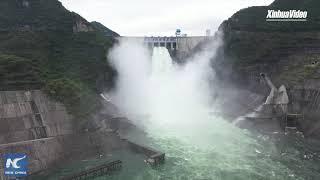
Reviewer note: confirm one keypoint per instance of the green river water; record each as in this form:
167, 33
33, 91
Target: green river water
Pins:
220, 151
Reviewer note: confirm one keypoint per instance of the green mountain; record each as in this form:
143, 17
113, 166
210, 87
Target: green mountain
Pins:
287, 51
254, 18
283, 49
44, 46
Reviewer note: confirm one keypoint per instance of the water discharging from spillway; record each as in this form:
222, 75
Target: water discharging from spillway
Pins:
172, 104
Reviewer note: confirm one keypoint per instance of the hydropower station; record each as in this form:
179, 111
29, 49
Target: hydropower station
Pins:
181, 46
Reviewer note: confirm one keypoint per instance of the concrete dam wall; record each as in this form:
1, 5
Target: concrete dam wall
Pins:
186, 45
33, 124
28, 115
181, 47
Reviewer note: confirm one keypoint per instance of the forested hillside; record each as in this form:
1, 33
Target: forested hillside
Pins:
45, 46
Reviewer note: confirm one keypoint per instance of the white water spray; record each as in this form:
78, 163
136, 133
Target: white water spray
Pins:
177, 101
169, 94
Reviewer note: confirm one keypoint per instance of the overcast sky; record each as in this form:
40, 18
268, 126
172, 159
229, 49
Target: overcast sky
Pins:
159, 17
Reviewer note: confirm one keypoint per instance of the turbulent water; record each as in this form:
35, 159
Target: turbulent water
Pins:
175, 103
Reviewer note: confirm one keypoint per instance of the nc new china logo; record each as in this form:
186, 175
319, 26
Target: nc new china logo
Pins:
15, 164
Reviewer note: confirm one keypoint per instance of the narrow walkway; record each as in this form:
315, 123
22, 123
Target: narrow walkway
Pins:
25, 142
96, 171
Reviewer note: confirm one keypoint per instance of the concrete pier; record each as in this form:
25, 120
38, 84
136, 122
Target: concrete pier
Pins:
153, 157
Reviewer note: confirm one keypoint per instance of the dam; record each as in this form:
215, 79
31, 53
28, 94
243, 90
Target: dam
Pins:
181, 46
94, 96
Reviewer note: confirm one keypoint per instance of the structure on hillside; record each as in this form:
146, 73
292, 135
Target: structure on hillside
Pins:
278, 98
273, 115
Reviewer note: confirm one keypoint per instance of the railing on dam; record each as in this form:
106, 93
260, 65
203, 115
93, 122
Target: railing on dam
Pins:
160, 39
168, 42
96, 171
180, 43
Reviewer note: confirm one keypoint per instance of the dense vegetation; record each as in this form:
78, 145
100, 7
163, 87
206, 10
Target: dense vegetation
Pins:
40, 49
284, 50
35, 14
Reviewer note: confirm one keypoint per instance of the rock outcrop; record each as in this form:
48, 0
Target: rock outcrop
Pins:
106, 31
81, 25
